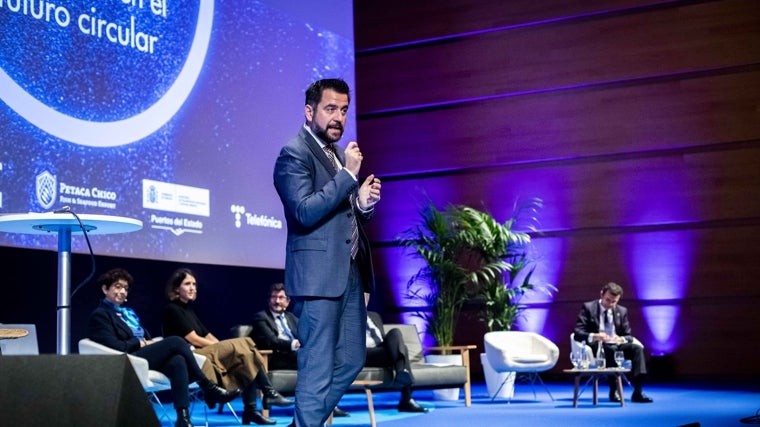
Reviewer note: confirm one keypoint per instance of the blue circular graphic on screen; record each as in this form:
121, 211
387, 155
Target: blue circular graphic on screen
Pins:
101, 75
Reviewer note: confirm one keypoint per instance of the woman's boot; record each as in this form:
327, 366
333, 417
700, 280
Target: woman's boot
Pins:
271, 396
183, 418
214, 394
250, 414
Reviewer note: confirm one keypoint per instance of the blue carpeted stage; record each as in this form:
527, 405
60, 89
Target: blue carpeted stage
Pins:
675, 405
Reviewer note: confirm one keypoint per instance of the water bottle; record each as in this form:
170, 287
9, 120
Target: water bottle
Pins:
601, 362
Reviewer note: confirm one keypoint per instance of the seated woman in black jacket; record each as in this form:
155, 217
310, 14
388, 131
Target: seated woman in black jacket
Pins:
119, 328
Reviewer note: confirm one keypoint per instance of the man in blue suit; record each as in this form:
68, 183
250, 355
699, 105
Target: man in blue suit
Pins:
328, 267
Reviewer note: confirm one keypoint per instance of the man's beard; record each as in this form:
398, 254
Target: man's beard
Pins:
322, 132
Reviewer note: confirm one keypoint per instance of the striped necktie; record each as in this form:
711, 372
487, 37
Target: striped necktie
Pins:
330, 151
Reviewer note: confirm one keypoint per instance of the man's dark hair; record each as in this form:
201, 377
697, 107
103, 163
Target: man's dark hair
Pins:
276, 287
112, 276
314, 92
613, 288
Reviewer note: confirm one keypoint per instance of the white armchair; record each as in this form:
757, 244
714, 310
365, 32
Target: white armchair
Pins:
526, 353
152, 381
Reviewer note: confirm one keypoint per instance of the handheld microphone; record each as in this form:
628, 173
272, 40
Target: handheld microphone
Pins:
64, 209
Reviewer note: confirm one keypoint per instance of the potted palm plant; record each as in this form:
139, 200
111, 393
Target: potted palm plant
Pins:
452, 242
500, 296
449, 242
513, 245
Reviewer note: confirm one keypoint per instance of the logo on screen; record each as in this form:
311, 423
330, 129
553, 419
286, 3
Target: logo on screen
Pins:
46, 184
253, 220
152, 194
102, 74
237, 211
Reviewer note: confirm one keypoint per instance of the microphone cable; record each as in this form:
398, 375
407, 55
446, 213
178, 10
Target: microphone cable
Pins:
67, 209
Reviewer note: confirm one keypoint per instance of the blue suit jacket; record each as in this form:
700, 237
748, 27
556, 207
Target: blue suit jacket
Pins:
318, 215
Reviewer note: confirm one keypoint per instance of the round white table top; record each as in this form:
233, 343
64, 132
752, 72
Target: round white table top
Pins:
50, 222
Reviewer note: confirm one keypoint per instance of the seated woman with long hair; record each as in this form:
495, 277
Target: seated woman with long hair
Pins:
119, 328
234, 362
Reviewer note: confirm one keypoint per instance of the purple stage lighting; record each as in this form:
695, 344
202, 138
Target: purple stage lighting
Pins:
659, 264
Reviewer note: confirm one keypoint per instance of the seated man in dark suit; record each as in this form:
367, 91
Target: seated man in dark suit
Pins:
388, 349
276, 329
602, 322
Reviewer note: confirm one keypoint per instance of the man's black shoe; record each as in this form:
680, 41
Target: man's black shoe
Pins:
641, 398
614, 396
410, 406
337, 412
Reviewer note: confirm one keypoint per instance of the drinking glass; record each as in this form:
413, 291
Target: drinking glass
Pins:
619, 357
585, 360
600, 360
575, 359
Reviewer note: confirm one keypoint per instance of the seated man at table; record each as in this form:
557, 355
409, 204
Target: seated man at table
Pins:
604, 322
388, 349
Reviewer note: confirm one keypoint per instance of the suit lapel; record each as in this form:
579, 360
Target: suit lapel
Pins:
318, 152
377, 320
120, 324
272, 322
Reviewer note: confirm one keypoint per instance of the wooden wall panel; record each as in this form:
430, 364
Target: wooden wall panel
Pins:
563, 125
391, 22
698, 248
705, 187
564, 54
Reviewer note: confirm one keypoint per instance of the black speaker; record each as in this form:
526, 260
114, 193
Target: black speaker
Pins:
72, 390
